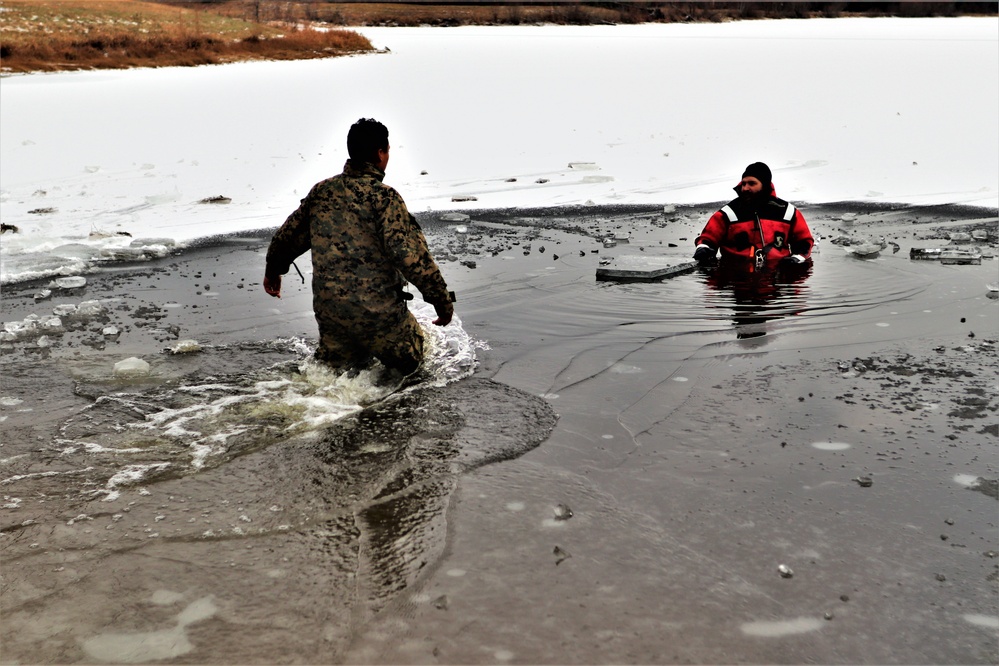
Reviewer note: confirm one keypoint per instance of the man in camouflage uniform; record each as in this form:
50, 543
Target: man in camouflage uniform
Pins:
365, 244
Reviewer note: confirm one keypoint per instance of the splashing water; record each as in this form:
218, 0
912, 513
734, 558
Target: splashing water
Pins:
207, 420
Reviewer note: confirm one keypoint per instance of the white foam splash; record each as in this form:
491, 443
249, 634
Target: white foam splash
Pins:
450, 350
92, 447
212, 419
132, 474
39, 475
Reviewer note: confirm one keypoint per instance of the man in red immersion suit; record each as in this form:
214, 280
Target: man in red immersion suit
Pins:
756, 231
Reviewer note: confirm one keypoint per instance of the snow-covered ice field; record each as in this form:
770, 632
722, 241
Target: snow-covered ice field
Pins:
886, 110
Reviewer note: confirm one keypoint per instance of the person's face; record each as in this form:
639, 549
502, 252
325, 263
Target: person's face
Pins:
383, 158
750, 186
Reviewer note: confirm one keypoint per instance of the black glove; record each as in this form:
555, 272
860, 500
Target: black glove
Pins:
793, 260
704, 254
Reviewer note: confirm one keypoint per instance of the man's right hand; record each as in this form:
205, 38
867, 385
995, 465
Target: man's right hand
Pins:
704, 254
272, 285
445, 311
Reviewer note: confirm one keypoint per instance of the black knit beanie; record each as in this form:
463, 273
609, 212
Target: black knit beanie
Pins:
760, 172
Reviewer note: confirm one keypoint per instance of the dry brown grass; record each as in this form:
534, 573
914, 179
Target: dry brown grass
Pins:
39, 35
110, 34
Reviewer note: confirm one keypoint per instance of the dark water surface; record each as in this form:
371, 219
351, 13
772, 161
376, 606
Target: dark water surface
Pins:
618, 481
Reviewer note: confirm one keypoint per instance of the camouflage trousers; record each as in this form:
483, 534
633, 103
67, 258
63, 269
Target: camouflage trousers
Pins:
352, 342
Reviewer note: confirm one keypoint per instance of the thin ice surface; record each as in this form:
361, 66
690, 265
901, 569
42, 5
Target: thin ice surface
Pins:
84, 159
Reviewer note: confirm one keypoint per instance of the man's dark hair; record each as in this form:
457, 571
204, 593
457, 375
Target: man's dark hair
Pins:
366, 137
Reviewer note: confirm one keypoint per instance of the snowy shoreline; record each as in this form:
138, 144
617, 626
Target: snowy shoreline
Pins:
85, 256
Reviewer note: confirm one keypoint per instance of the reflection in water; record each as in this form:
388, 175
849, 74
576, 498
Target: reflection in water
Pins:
394, 468
400, 460
314, 531
761, 296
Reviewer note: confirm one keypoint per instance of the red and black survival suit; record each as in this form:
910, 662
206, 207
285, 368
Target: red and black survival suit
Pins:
757, 233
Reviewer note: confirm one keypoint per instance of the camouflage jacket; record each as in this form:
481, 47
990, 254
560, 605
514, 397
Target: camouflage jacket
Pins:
364, 244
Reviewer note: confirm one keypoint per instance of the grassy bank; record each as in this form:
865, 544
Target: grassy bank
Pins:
112, 34
51, 35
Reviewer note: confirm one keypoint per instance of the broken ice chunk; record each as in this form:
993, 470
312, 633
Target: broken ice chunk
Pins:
186, 347
74, 282
52, 324
131, 368
89, 309
64, 310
